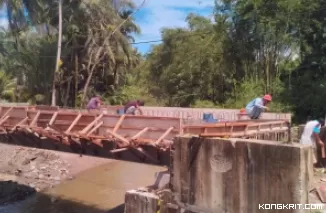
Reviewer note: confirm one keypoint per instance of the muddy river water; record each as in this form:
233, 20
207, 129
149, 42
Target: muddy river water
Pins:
97, 190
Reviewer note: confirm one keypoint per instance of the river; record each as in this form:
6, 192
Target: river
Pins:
97, 190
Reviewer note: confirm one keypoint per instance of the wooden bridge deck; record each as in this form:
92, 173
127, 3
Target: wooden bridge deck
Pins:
126, 132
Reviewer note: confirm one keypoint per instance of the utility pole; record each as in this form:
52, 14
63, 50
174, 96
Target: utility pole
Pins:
54, 91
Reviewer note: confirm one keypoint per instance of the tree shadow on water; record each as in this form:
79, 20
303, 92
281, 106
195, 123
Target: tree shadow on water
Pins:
25, 199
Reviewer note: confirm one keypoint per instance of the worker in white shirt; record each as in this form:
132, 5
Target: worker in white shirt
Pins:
311, 137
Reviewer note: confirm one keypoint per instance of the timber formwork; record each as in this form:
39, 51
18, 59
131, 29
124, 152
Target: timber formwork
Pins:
149, 136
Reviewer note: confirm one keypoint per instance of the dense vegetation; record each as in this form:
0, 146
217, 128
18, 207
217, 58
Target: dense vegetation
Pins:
252, 47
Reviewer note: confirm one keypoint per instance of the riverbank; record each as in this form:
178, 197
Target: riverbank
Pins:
70, 183
24, 171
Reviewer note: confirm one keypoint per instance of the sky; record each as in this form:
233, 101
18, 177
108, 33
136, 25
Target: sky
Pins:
158, 14
155, 15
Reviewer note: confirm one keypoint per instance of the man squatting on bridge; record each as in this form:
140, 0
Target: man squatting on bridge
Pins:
311, 137
132, 106
255, 107
94, 103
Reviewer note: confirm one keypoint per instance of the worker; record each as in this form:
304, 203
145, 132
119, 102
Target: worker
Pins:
132, 106
310, 136
94, 103
257, 106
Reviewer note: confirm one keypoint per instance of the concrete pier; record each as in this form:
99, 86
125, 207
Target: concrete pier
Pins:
237, 175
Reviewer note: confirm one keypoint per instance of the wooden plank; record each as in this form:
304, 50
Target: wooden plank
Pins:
124, 140
73, 123
86, 129
140, 133
95, 128
34, 121
163, 136
119, 123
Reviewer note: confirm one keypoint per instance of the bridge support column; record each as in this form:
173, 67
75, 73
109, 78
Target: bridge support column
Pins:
237, 175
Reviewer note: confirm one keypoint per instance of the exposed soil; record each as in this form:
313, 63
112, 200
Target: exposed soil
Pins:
24, 171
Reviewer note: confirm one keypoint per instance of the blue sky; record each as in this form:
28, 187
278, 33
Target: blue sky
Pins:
158, 14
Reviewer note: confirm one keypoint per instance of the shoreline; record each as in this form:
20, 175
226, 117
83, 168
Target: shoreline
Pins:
25, 171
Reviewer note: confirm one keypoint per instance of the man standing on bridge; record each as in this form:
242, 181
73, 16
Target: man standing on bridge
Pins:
310, 136
132, 106
257, 106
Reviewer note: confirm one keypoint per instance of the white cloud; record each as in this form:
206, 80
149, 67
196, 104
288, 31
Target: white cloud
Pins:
168, 13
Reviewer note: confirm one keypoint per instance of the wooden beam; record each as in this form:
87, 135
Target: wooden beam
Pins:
3, 120
54, 117
94, 129
164, 135
89, 126
20, 123
117, 136
7, 113
118, 150
34, 121
140, 133
117, 126
73, 123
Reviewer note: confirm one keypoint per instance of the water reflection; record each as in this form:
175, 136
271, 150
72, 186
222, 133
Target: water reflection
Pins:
98, 190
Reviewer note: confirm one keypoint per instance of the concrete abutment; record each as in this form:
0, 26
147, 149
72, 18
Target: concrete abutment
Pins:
230, 175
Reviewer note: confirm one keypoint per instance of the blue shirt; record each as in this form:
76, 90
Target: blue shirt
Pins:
316, 130
258, 102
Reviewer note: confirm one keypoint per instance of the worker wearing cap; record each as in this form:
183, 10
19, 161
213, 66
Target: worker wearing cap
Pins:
257, 106
310, 135
132, 106
94, 103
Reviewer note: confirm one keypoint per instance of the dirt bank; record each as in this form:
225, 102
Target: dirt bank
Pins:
24, 171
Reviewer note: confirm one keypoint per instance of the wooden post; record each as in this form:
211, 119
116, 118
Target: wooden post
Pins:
164, 135
95, 128
118, 124
140, 133
89, 126
54, 117
73, 123
34, 121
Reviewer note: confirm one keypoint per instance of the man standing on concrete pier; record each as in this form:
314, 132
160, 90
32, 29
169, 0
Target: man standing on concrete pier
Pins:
311, 137
257, 106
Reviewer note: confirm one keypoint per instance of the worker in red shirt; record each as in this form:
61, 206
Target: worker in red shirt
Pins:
132, 106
